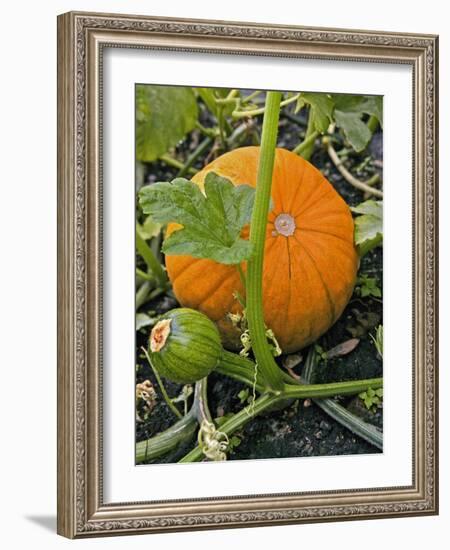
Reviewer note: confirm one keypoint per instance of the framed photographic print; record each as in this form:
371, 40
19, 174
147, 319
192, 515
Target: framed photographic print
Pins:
247, 274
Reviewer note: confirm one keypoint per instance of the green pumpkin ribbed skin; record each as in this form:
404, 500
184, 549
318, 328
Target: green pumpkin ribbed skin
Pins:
192, 349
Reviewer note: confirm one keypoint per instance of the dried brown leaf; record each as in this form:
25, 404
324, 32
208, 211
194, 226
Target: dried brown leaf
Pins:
343, 348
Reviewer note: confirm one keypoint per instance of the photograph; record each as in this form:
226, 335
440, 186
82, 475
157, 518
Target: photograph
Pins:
259, 274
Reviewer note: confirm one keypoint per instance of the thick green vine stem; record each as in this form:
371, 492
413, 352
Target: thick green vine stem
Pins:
306, 144
235, 422
320, 391
178, 433
352, 422
268, 367
201, 401
240, 369
268, 400
166, 441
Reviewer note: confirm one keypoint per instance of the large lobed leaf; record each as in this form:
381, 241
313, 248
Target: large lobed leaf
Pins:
346, 110
164, 115
212, 222
348, 113
369, 225
369, 104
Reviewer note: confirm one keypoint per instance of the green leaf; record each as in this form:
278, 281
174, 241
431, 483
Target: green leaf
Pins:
212, 222
368, 226
234, 442
367, 286
148, 229
372, 398
192, 243
244, 395
164, 115
348, 113
321, 109
360, 104
144, 320
355, 130
373, 105
371, 207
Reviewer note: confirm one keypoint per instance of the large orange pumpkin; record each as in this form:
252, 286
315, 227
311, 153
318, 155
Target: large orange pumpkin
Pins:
310, 260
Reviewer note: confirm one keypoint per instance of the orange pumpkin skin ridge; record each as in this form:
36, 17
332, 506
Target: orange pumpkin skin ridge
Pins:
308, 276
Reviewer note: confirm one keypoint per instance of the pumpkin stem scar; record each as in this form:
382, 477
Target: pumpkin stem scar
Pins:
285, 224
159, 335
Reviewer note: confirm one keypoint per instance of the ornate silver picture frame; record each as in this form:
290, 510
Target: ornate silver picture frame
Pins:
82, 38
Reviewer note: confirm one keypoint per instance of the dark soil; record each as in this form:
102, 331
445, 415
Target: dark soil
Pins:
301, 428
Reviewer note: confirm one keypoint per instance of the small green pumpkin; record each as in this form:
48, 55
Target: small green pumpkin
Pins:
185, 345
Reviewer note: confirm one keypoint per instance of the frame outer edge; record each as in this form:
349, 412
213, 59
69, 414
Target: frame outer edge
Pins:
66, 477
78, 494
436, 267
434, 183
